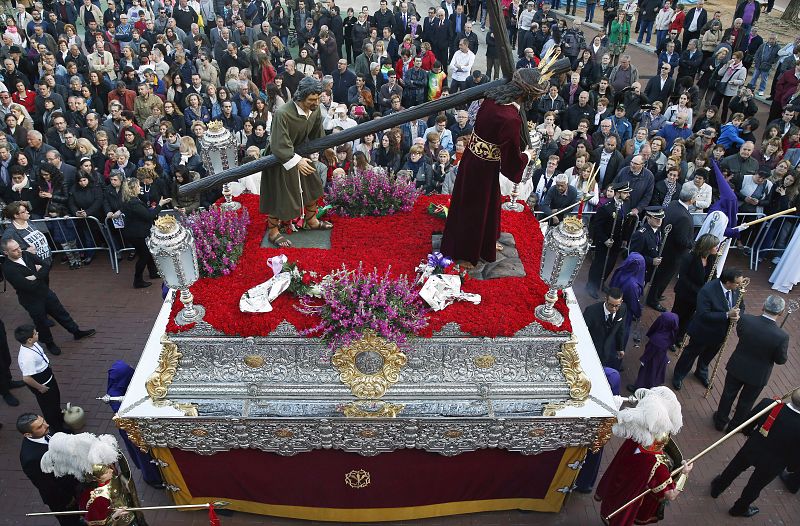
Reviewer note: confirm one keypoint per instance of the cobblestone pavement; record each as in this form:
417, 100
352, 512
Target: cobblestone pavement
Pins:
123, 316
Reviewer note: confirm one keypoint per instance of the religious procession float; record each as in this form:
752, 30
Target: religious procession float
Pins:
360, 375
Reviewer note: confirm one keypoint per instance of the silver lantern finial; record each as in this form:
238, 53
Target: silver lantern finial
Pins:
219, 152
565, 247
174, 252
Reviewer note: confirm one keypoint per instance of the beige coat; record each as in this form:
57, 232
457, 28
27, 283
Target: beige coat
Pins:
106, 65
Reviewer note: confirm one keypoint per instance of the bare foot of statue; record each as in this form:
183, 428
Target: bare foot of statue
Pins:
466, 265
498, 247
276, 238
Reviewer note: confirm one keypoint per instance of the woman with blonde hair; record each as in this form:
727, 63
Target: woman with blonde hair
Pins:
188, 156
138, 221
232, 79
23, 117
279, 55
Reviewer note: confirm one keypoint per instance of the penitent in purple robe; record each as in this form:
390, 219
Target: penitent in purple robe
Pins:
629, 278
661, 336
473, 222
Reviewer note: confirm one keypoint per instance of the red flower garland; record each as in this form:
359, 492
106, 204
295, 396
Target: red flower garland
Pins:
401, 241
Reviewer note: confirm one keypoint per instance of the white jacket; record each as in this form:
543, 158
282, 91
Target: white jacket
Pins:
664, 19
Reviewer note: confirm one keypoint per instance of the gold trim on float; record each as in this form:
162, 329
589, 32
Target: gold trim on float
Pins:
603, 434
484, 361
157, 384
552, 502
370, 375
371, 409
579, 383
131, 427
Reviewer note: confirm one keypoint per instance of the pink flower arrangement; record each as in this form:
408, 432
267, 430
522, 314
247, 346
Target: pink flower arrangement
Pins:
371, 192
219, 237
353, 300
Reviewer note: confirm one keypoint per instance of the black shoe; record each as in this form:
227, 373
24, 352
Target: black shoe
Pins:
11, 399
53, 349
657, 306
749, 512
677, 384
719, 426
141, 284
787, 481
79, 335
715, 491
50, 323
703, 379
16, 384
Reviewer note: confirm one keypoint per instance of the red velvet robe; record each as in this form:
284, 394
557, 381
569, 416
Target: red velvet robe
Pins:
633, 470
473, 222
97, 505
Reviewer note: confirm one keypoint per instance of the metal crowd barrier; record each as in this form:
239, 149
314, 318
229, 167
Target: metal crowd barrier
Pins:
773, 238
67, 235
117, 242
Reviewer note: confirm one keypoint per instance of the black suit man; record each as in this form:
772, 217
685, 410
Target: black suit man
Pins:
761, 344
30, 277
608, 226
716, 309
695, 19
770, 447
660, 87
608, 159
605, 322
678, 245
58, 493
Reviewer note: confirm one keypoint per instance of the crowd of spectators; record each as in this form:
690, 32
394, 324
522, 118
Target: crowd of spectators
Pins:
90, 96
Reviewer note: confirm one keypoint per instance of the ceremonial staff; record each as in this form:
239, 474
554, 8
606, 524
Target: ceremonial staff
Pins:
707, 450
731, 325
570, 207
608, 247
217, 504
497, 23
791, 307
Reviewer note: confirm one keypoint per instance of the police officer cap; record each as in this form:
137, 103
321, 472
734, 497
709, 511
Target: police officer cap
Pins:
656, 212
621, 187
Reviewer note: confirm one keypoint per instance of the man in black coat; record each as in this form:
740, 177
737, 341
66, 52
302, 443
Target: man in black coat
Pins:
770, 447
30, 277
660, 87
679, 243
58, 493
696, 18
716, 309
646, 240
608, 226
761, 344
608, 159
605, 322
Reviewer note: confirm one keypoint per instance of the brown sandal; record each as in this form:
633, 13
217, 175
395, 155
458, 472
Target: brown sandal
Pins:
321, 225
278, 239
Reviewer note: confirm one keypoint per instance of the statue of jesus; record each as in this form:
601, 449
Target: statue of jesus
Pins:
473, 222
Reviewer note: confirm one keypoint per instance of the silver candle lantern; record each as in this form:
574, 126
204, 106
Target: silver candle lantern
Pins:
174, 252
565, 247
220, 152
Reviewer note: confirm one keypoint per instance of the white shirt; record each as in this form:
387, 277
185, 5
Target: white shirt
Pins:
32, 360
695, 19
461, 65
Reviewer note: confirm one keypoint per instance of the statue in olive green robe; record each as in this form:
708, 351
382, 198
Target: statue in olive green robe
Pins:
291, 189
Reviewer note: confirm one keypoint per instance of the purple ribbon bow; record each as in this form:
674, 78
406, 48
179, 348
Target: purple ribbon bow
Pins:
437, 259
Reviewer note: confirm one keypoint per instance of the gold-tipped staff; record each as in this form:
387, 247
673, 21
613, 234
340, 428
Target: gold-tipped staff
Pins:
731, 325
707, 450
217, 504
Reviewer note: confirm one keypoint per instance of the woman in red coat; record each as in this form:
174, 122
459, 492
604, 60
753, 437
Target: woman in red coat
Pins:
24, 97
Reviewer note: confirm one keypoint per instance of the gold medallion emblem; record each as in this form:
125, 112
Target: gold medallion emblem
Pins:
357, 479
369, 366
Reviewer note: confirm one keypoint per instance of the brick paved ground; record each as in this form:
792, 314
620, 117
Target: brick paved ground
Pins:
123, 316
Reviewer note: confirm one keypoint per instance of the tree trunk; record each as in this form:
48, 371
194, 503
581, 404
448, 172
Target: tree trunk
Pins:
792, 11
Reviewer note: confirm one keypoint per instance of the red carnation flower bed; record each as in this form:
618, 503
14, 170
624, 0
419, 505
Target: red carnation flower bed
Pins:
401, 241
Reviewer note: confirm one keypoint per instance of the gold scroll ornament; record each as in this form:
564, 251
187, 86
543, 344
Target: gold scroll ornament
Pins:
369, 366
357, 478
579, 383
158, 383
